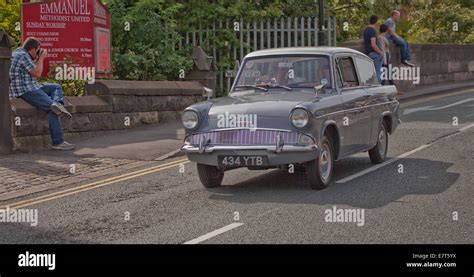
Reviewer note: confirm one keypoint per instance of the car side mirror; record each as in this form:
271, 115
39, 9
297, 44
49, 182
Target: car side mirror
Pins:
318, 89
209, 93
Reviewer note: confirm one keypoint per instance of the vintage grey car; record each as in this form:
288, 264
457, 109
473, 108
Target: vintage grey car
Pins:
292, 108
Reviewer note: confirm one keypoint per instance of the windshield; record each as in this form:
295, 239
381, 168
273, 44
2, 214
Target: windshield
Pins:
284, 72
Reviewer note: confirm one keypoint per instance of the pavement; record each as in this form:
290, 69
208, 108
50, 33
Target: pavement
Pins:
423, 91
93, 159
124, 195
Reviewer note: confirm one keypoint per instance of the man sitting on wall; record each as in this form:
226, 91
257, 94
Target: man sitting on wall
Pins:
405, 51
26, 67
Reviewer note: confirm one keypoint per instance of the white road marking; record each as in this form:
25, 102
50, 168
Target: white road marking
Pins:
214, 233
404, 155
466, 127
373, 168
168, 155
436, 97
431, 108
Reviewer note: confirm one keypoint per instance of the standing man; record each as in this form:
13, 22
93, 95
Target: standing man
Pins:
26, 67
371, 48
405, 51
384, 46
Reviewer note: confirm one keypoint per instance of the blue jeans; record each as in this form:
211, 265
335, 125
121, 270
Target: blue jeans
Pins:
378, 60
43, 99
390, 81
405, 51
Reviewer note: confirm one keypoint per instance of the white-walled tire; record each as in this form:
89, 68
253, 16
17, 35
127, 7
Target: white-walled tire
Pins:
378, 154
320, 170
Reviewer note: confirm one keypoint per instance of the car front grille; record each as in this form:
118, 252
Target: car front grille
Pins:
245, 137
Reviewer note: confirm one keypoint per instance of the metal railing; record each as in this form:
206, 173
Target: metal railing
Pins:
244, 36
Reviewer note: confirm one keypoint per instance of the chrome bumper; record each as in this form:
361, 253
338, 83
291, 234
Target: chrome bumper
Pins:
270, 148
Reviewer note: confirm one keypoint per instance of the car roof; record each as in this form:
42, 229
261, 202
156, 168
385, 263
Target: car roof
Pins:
323, 50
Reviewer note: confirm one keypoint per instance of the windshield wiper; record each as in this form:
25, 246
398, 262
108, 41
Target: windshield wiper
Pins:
250, 86
278, 86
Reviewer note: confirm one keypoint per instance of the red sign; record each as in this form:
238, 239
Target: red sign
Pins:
102, 49
76, 30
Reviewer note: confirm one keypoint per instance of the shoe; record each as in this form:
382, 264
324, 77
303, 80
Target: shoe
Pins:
60, 110
399, 93
65, 146
407, 63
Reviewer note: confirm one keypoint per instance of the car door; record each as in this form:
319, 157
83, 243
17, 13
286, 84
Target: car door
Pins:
357, 115
369, 81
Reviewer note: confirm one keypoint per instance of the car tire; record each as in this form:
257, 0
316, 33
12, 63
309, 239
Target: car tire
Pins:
319, 171
210, 176
378, 153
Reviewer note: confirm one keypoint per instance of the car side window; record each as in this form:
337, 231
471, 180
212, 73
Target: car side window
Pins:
347, 71
366, 71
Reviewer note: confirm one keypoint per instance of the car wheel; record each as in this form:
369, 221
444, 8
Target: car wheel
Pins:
378, 154
210, 176
319, 171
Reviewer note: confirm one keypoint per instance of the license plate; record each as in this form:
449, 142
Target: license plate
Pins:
237, 160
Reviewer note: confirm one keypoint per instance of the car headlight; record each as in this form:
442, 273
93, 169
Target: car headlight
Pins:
190, 119
305, 140
299, 118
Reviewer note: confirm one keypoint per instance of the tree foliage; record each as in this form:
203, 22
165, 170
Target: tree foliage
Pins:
421, 21
10, 18
142, 46
442, 23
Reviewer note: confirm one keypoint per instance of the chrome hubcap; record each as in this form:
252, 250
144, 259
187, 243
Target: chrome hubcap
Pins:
325, 162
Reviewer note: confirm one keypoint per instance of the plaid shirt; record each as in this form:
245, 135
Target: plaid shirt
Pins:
21, 80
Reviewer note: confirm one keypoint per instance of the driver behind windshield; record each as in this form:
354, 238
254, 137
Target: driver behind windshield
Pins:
276, 75
291, 72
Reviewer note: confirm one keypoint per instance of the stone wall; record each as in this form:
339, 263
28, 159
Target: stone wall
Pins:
109, 105
439, 63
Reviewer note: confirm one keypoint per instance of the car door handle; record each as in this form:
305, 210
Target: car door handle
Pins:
367, 96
